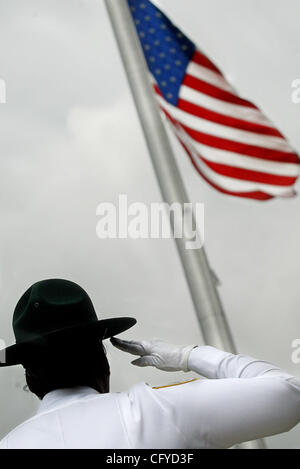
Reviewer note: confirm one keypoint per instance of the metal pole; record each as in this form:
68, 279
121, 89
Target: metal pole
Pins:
202, 285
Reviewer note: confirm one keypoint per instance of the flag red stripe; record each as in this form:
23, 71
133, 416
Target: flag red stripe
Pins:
241, 148
256, 195
235, 147
249, 175
218, 118
215, 92
201, 59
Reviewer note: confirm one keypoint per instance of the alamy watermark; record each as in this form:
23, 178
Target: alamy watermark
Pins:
295, 96
2, 91
154, 221
296, 351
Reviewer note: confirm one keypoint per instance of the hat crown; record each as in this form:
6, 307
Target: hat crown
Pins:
51, 305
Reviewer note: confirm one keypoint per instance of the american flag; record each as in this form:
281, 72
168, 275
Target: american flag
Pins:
230, 142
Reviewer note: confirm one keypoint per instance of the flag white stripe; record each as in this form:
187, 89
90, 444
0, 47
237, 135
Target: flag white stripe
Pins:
228, 109
237, 185
246, 162
213, 78
222, 131
232, 184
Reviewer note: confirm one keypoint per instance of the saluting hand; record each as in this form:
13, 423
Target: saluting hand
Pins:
157, 353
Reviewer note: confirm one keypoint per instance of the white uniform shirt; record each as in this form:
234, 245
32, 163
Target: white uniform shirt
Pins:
243, 399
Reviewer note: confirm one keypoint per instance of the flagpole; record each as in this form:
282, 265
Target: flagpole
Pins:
199, 276
202, 285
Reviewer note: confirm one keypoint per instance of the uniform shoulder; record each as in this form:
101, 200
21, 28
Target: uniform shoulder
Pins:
22, 428
3, 443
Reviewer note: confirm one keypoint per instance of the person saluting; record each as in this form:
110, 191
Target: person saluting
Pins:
59, 342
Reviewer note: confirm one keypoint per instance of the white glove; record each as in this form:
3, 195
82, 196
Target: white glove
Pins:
157, 353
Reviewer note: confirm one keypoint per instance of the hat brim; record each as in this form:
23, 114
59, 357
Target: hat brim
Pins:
102, 329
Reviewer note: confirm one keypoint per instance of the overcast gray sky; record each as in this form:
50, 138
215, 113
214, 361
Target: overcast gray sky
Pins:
70, 139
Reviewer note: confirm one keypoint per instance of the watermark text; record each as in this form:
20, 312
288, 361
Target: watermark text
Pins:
295, 96
154, 221
2, 91
296, 351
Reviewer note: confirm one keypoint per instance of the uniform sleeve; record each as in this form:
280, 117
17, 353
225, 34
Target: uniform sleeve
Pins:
244, 399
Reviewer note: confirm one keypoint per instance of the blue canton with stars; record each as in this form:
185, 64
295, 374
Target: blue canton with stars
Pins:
167, 50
